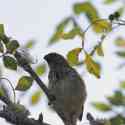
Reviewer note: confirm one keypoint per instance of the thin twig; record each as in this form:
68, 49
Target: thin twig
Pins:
11, 87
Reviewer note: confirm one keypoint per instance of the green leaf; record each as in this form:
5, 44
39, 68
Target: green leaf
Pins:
1, 47
10, 62
118, 120
62, 24
12, 45
92, 66
122, 84
35, 98
30, 44
121, 54
109, 1
19, 108
55, 37
74, 32
4, 38
120, 42
2, 92
100, 26
1, 29
117, 98
91, 12
40, 69
59, 31
121, 10
72, 56
24, 83
99, 50
102, 106
87, 8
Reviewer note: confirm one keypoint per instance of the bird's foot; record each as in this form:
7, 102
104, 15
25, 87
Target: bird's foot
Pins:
52, 99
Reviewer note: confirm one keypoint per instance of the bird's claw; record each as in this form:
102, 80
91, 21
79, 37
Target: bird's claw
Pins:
51, 100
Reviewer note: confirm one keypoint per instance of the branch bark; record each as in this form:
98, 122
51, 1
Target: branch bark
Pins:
11, 114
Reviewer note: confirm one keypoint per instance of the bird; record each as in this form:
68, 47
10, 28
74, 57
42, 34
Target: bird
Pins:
68, 88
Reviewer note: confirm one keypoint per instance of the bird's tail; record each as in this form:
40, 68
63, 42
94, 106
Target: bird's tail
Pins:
71, 122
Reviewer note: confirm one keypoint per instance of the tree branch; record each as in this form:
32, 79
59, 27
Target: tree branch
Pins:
24, 64
12, 114
94, 121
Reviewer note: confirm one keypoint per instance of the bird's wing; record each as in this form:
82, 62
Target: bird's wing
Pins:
81, 114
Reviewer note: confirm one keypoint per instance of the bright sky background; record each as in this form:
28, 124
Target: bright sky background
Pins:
27, 19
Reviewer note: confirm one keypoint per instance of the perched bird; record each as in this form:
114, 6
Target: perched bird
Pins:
67, 87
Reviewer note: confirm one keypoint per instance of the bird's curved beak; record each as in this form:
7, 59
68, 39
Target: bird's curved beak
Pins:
46, 58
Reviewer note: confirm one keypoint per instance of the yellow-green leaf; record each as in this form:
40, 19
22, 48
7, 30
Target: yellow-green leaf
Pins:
92, 66
55, 37
88, 9
121, 10
62, 24
35, 98
99, 50
120, 42
118, 119
122, 84
1, 47
72, 56
1, 29
19, 108
101, 26
2, 92
109, 1
76, 31
102, 106
30, 44
117, 98
4, 38
59, 31
24, 83
10, 62
40, 69
121, 54
93, 16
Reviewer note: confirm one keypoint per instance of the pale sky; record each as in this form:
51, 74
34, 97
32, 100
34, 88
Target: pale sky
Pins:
27, 19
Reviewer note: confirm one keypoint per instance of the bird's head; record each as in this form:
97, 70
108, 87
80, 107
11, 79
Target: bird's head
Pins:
55, 60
